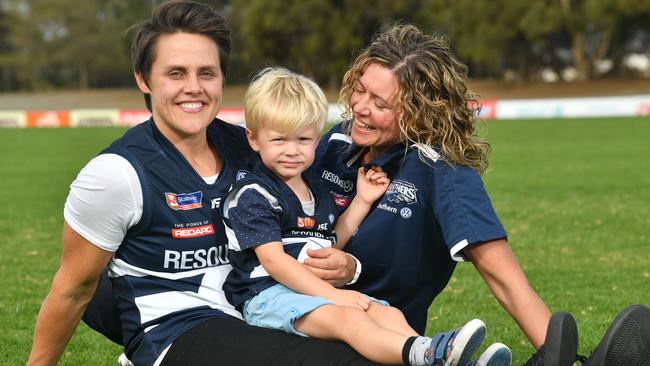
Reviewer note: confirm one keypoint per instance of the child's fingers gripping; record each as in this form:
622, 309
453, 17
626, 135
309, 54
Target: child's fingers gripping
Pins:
377, 175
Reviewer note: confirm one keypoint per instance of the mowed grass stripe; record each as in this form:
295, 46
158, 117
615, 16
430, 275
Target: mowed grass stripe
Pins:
573, 194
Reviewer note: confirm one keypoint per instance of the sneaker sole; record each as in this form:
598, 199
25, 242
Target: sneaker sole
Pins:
627, 340
561, 340
498, 354
467, 341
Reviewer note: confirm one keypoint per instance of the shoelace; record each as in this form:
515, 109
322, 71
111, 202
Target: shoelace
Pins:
536, 358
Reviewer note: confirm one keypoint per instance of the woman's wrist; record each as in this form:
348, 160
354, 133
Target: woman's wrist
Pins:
357, 270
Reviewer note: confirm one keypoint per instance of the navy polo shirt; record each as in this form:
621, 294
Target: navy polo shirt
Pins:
411, 239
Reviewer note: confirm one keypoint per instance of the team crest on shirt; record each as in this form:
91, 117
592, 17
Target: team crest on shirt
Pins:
184, 201
305, 222
402, 191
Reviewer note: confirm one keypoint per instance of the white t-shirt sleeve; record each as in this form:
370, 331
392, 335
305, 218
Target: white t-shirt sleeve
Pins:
105, 200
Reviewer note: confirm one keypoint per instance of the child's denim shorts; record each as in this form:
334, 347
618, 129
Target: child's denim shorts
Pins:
278, 307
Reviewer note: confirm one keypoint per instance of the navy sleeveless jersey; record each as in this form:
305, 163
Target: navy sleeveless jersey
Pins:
411, 239
168, 272
260, 209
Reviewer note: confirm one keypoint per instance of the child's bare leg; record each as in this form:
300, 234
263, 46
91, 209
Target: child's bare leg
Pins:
390, 318
356, 328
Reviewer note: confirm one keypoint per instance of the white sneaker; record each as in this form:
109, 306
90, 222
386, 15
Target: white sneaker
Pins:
123, 361
457, 346
498, 354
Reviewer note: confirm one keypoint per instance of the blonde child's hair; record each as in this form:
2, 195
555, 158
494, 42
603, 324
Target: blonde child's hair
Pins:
285, 101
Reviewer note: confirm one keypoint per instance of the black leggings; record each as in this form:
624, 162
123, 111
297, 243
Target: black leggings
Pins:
226, 341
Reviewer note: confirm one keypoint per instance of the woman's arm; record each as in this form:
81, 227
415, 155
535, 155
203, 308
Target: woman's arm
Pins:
72, 289
499, 268
286, 270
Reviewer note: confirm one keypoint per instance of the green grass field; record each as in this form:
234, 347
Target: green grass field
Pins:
574, 196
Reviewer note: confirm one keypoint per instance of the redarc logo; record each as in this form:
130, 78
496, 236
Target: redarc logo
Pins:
192, 232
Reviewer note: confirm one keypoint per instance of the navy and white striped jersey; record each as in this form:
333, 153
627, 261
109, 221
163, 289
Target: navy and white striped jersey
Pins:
168, 272
410, 241
261, 209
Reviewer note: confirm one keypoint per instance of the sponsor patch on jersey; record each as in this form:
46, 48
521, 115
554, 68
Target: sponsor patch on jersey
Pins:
385, 207
346, 185
401, 191
405, 212
192, 232
184, 201
240, 174
341, 201
306, 222
215, 203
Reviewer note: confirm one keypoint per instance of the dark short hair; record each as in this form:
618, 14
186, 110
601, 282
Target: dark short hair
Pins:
176, 16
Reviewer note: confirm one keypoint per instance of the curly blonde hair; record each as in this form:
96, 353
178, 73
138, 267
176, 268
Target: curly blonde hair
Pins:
439, 111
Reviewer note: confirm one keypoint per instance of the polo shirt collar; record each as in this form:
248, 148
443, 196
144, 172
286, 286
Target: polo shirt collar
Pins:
354, 157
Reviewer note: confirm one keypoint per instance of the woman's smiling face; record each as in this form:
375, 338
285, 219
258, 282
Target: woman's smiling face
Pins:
375, 109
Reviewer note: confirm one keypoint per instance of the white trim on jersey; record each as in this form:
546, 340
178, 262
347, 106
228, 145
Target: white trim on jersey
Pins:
427, 151
156, 305
456, 251
356, 157
230, 202
233, 243
341, 137
161, 357
259, 271
309, 243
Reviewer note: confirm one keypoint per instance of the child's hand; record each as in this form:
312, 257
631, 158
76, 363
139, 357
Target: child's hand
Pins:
350, 298
371, 184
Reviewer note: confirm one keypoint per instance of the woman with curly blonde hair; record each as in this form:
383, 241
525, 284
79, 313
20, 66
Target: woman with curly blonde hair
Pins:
437, 108
409, 110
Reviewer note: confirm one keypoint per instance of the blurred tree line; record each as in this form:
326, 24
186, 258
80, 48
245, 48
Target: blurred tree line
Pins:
47, 44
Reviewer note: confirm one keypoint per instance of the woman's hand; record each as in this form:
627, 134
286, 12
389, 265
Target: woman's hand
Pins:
331, 265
